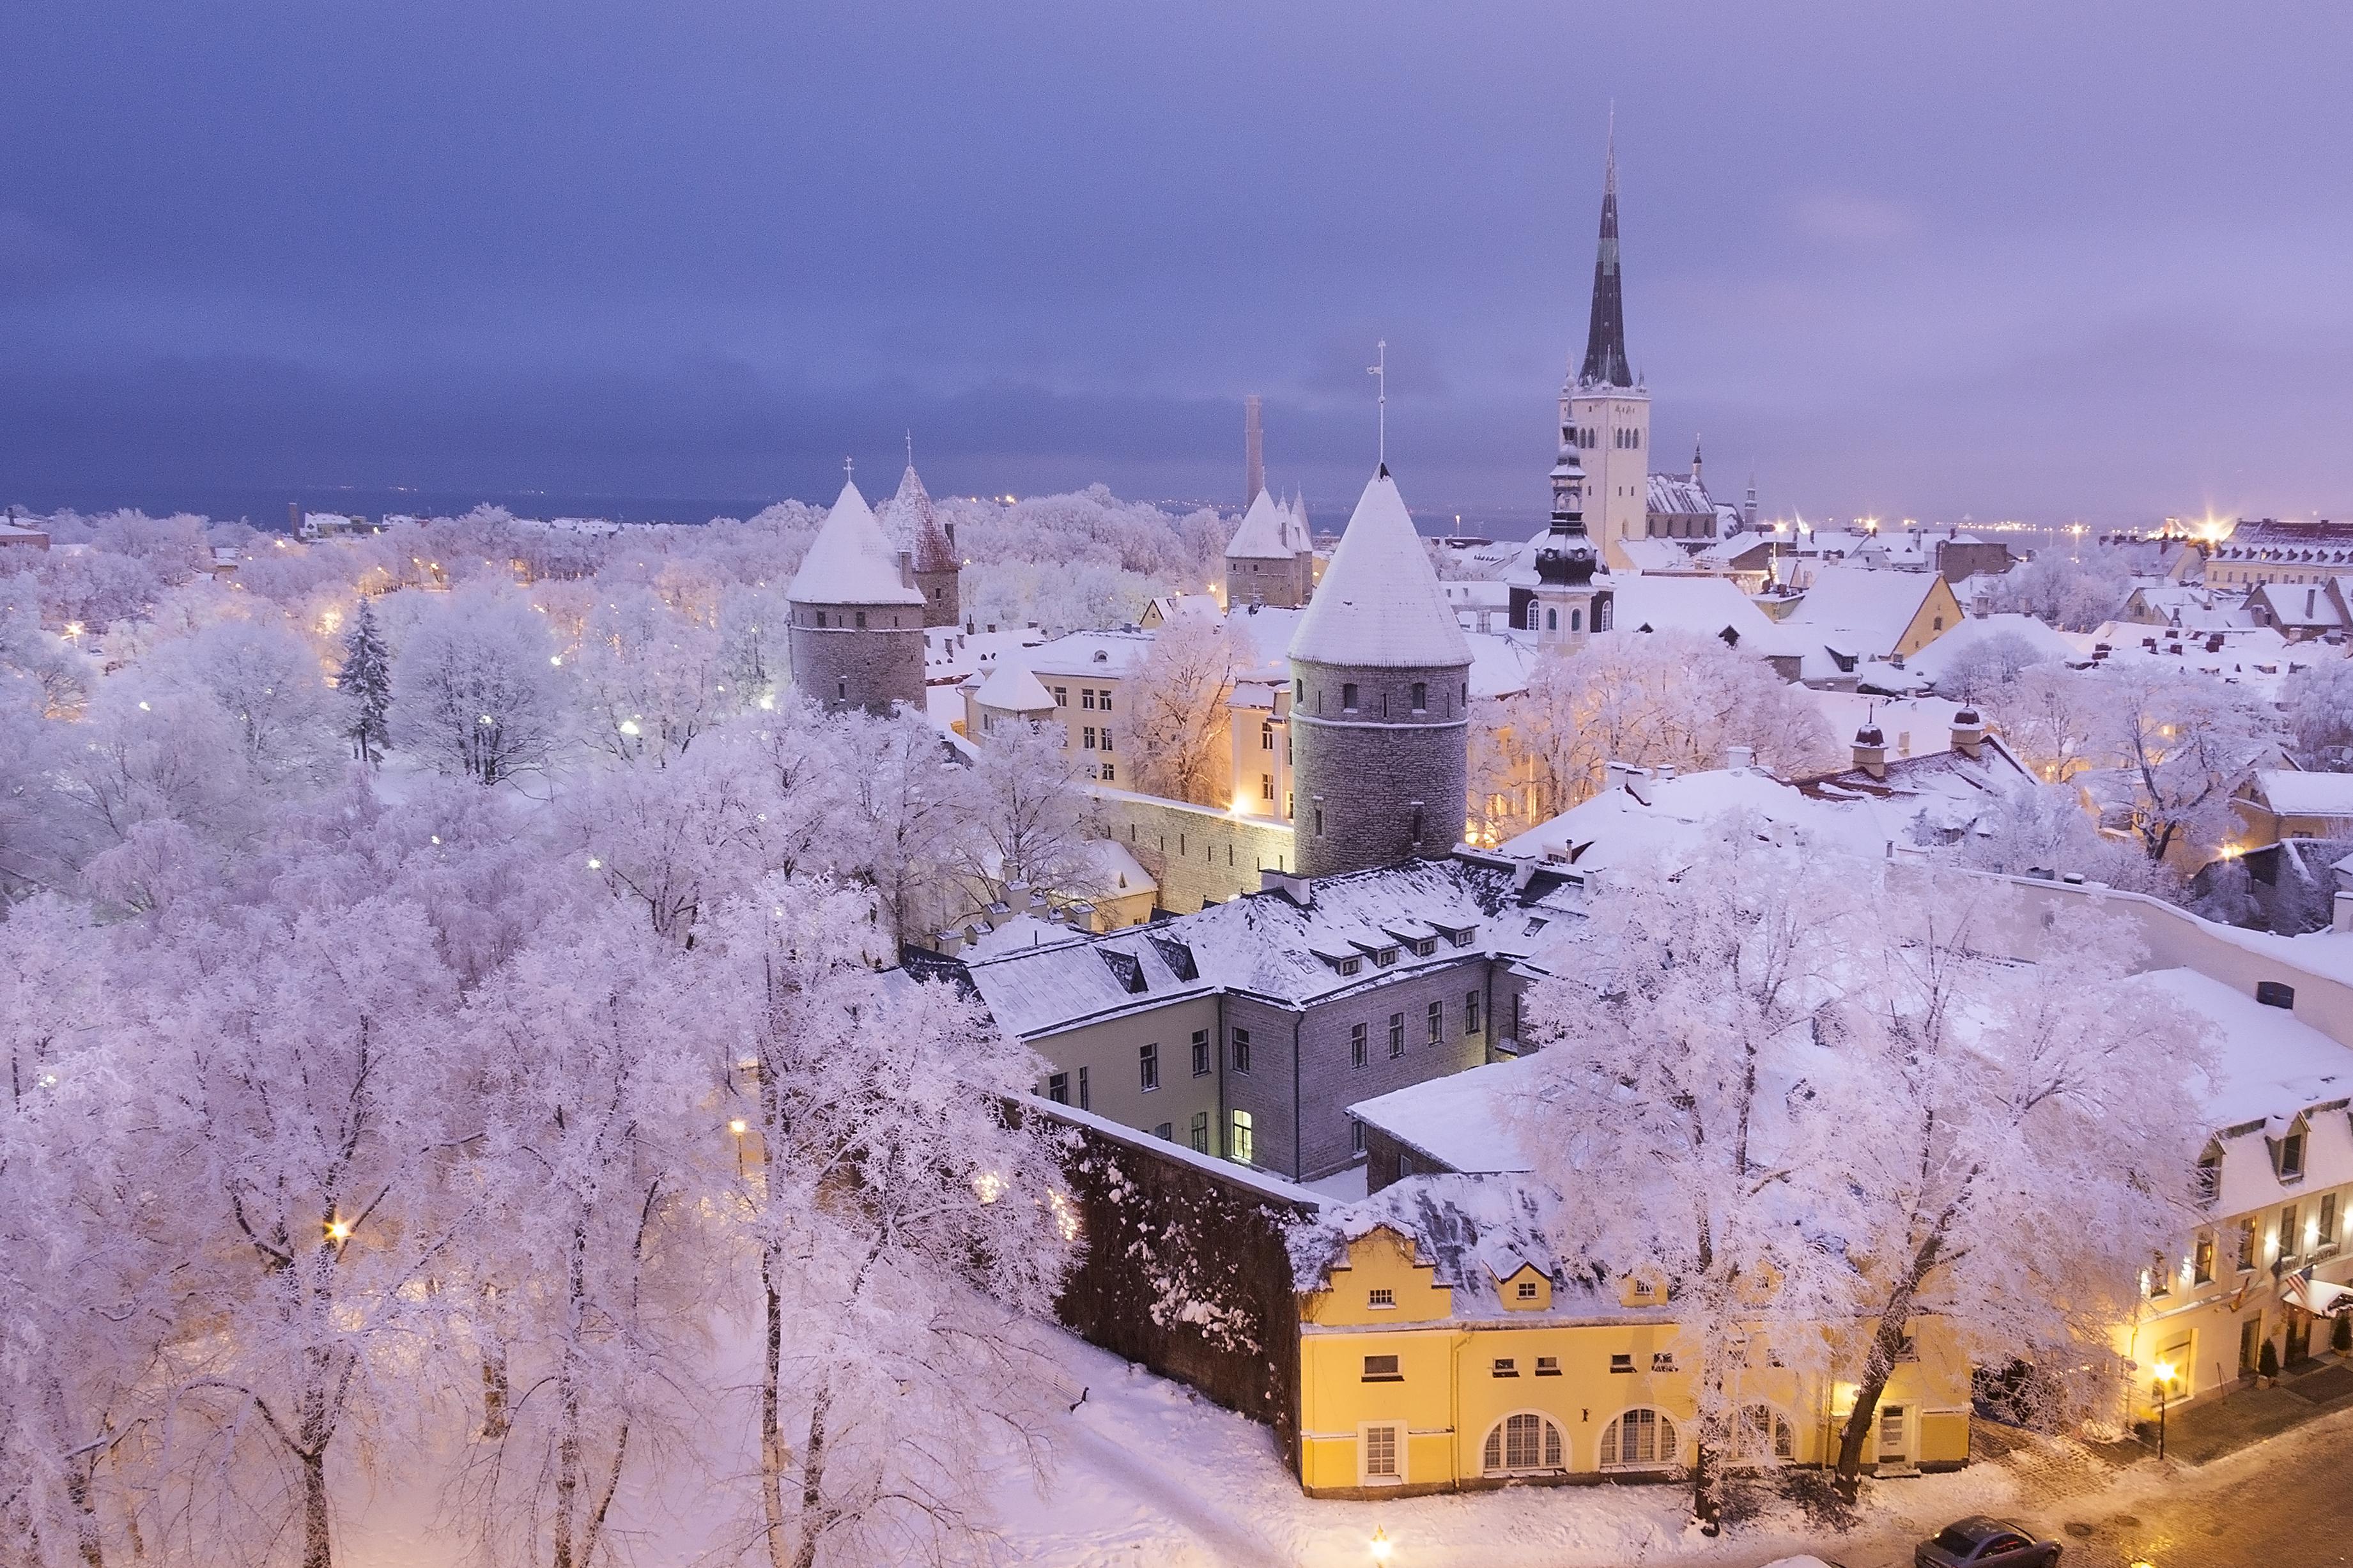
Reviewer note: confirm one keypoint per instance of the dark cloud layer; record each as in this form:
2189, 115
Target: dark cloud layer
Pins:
2005, 260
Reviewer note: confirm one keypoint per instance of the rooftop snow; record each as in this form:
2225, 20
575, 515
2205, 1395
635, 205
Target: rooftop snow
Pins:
1379, 605
1457, 1120
2268, 1062
1706, 606
1871, 607
2292, 794
1013, 689
850, 561
1264, 533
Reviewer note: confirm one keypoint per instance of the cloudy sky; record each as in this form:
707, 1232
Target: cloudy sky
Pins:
2007, 258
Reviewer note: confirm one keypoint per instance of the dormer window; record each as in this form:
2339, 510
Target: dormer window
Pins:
1425, 947
1527, 1290
1350, 965
2290, 1157
2209, 1182
1385, 956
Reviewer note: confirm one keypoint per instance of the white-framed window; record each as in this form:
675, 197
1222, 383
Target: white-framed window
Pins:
1522, 1443
1381, 1445
1639, 1439
1762, 1435
1381, 1298
1526, 1290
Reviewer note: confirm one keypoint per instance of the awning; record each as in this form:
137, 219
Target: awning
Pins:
2316, 1295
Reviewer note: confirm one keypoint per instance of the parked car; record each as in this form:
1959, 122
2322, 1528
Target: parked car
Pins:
1981, 1543
1806, 1561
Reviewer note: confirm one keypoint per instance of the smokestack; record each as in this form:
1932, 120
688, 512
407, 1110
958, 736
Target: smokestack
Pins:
1254, 441
294, 518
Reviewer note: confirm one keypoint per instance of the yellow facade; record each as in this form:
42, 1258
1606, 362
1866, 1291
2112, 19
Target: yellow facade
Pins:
1400, 1393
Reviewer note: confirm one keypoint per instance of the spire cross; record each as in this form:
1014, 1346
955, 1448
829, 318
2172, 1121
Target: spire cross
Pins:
846, 463
910, 448
1379, 371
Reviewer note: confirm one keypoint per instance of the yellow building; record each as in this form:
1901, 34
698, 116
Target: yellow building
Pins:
2277, 1177
1444, 1347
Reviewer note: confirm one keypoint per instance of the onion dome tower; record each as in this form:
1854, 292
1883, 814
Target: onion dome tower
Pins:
1380, 693
914, 525
1567, 607
856, 623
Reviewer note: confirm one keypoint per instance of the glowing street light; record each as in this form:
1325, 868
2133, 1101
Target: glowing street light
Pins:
1381, 1544
339, 1230
2165, 1372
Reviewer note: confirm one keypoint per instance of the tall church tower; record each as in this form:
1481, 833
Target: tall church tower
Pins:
1379, 700
1604, 411
1568, 607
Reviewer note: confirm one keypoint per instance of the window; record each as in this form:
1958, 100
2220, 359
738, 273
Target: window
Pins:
1058, 1089
1106, 738
1437, 1022
1200, 1132
1200, 1053
1522, 1442
1397, 1034
1381, 1453
1421, 696
1266, 786
1505, 1366
1241, 1050
2328, 1241
2291, 1156
1355, 1136
1089, 741
2209, 1175
1762, 1435
1085, 1100
1087, 698
2288, 1238
1061, 696
1637, 1440
1621, 1363
1381, 1298
1662, 1360
1425, 947
1106, 773
1147, 1065
2270, 992
861, 620
1241, 1142
2201, 1255
1356, 1051
1348, 696
1471, 1012
1526, 1290
1382, 1368
1547, 1366
2160, 1276
2247, 1243
1266, 734
1103, 700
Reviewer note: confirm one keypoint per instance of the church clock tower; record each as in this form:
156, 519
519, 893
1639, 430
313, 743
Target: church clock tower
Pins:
1605, 412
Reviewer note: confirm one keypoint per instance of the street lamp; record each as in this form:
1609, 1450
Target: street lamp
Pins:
1380, 1544
2164, 1387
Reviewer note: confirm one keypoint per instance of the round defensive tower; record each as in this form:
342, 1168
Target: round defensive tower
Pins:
1380, 692
856, 623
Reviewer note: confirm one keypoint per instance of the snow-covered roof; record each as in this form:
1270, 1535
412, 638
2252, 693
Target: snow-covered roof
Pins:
1675, 817
1083, 654
1678, 495
911, 523
1378, 606
1658, 554
2290, 793
1500, 663
1706, 606
1265, 531
850, 561
1938, 657
1457, 1121
1009, 688
1858, 610
2268, 1062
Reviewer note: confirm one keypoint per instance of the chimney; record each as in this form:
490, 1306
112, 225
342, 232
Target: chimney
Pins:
906, 569
1968, 733
1740, 757
1871, 751
1300, 890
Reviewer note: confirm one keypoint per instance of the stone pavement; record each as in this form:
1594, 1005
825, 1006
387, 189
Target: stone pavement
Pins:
2201, 1432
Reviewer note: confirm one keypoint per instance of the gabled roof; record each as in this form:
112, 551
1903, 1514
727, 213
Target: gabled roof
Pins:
1872, 609
1678, 496
2290, 793
1379, 604
851, 562
1264, 532
1011, 689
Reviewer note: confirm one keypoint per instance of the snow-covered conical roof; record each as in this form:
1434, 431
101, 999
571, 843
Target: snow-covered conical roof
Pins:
1014, 689
1379, 604
1298, 538
913, 525
851, 562
1261, 535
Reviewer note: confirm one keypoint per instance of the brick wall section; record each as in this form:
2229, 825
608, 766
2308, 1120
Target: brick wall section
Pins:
1161, 1232
843, 667
943, 597
1197, 854
1366, 769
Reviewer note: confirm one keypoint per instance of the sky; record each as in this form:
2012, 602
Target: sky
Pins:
2002, 259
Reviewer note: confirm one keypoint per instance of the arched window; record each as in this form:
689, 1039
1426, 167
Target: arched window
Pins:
1577, 620
1640, 1439
1534, 624
1761, 1435
1522, 1443
1552, 620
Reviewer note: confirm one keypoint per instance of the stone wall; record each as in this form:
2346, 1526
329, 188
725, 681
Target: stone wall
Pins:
1184, 1269
848, 666
1380, 784
1197, 854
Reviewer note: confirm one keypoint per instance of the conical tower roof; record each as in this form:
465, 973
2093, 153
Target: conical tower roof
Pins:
1379, 605
851, 562
1261, 535
913, 525
1605, 334
1298, 538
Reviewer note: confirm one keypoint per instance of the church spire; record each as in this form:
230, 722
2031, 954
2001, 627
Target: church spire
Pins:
1604, 337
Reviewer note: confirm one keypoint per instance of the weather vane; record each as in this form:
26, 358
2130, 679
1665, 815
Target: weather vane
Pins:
1379, 371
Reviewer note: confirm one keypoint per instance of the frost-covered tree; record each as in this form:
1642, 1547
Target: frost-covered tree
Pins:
907, 817
652, 678
1028, 822
2046, 828
1678, 1097
2318, 703
267, 682
673, 844
2017, 1138
1176, 720
476, 690
1986, 666
365, 685
2075, 593
754, 658
905, 1220
2049, 716
2183, 745
148, 752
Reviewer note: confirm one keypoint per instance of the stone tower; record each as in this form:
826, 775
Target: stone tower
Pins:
1567, 607
1604, 408
1269, 560
858, 623
914, 526
1380, 691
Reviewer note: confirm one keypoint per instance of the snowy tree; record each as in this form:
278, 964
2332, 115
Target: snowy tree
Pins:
1176, 722
2318, 703
2019, 1137
34, 659
906, 1221
1986, 666
674, 844
2183, 743
651, 677
476, 690
267, 682
754, 657
2075, 592
907, 814
1676, 1099
590, 1173
147, 753
1029, 822
365, 685
2046, 828
2049, 716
